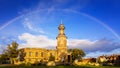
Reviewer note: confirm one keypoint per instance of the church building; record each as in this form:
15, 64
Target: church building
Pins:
61, 53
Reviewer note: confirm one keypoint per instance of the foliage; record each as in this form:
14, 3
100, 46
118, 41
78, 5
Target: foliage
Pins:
10, 52
93, 60
4, 59
22, 64
21, 55
77, 53
28, 64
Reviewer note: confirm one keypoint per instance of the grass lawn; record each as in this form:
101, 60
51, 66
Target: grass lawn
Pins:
58, 67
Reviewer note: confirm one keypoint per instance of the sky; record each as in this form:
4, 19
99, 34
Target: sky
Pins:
91, 25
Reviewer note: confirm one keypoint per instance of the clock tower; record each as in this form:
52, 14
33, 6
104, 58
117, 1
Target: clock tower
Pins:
61, 43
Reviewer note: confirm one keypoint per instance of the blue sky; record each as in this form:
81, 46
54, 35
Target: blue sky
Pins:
92, 25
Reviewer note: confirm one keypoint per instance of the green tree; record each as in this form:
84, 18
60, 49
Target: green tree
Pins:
77, 53
92, 60
12, 51
22, 54
4, 58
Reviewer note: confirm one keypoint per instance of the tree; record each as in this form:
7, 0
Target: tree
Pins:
12, 51
4, 58
93, 60
21, 55
77, 53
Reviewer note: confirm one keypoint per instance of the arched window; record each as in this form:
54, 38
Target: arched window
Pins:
30, 54
41, 54
36, 54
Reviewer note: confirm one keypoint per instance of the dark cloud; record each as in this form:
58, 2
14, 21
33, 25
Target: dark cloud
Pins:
102, 45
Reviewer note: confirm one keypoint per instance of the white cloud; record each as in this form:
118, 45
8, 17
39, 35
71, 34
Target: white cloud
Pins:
28, 24
36, 41
44, 41
81, 43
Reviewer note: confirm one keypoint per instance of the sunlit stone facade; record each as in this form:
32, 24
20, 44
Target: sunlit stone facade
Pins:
42, 55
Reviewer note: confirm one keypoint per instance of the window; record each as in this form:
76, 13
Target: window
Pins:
30, 54
29, 60
41, 54
36, 54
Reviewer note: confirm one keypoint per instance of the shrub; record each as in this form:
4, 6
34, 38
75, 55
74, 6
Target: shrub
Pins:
22, 64
51, 58
28, 64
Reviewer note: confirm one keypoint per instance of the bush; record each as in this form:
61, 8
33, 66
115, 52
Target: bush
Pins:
22, 64
51, 58
28, 64
36, 63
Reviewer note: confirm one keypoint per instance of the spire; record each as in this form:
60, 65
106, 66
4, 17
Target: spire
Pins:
61, 26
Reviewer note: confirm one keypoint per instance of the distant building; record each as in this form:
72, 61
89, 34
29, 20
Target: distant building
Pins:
42, 55
114, 59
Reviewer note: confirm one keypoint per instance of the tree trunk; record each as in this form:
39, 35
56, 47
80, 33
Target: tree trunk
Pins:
11, 60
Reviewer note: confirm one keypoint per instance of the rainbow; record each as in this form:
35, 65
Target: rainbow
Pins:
97, 21
103, 24
84, 14
10, 22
